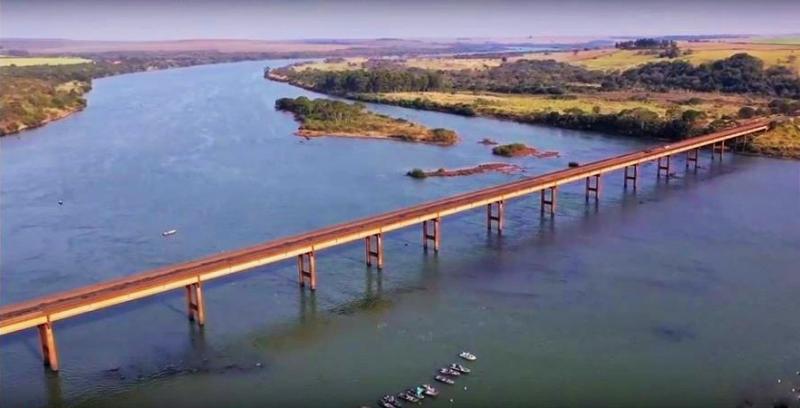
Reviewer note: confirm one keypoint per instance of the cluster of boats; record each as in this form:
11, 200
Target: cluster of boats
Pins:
445, 375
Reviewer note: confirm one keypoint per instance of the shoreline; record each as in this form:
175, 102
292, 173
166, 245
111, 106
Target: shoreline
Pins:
505, 168
61, 115
473, 113
371, 135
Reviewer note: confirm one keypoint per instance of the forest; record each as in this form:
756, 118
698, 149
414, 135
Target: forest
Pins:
740, 73
325, 117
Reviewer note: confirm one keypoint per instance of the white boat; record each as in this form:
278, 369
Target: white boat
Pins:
467, 356
168, 233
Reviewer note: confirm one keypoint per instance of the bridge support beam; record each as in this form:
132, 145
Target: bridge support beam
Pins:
718, 149
48, 343
194, 303
432, 234
691, 159
377, 252
549, 199
593, 187
495, 216
307, 270
632, 174
664, 166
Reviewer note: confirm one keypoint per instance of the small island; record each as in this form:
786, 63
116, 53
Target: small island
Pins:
325, 117
506, 168
519, 150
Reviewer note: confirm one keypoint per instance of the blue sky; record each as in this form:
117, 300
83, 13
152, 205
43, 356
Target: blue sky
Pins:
181, 19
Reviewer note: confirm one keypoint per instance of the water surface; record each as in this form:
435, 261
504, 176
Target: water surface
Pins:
683, 293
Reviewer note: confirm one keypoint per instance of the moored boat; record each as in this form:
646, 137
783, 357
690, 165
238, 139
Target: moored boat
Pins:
450, 372
468, 356
390, 400
430, 391
443, 379
405, 396
460, 368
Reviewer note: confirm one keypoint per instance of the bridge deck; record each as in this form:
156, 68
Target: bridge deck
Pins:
65, 304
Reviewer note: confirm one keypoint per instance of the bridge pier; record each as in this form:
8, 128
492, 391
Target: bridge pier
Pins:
549, 198
664, 166
593, 187
433, 234
495, 216
718, 149
195, 304
377, 253
307, 270
691, 159
48, 342
632, 175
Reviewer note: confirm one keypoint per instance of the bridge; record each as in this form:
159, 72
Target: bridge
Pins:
189, 276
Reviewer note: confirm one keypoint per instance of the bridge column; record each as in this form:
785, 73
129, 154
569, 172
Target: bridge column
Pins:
495, 216
377, 253
663, 166
549, 198
432, 234
48, 342
691, 159
195, 304
718, 149
632, 175
307, 270
594, 187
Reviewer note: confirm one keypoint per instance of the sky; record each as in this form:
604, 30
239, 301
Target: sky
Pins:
304, 19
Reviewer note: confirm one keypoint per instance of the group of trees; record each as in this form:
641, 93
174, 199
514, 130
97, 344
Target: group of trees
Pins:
645, 44
740, 73
29, 101
321, 109
523, 76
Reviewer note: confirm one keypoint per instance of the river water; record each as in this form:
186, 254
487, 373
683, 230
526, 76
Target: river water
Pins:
681, 294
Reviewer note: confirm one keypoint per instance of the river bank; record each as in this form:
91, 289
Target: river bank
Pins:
325, 117
639, 103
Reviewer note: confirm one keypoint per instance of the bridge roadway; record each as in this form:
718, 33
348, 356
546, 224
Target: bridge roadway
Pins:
42, 312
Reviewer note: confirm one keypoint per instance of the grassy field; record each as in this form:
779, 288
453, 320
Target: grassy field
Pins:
343, 65
613, 59
781, 141
27, 61
789, 40
786, 52
608, 102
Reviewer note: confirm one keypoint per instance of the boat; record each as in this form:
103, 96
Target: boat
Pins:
443, 379
447, 371
467, 356
389, 401
418, 392
430, 391
405, 396
460, 368
168, 233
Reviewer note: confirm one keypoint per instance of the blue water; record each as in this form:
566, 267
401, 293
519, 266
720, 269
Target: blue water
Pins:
683, 293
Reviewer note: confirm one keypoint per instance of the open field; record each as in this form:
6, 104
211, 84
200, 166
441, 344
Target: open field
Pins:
604, 59
614, 59
28, 61
664, 104
787, 40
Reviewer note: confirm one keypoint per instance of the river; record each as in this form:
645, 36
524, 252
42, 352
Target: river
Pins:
683, 293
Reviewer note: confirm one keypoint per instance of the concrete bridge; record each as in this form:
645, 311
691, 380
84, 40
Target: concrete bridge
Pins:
189, 276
